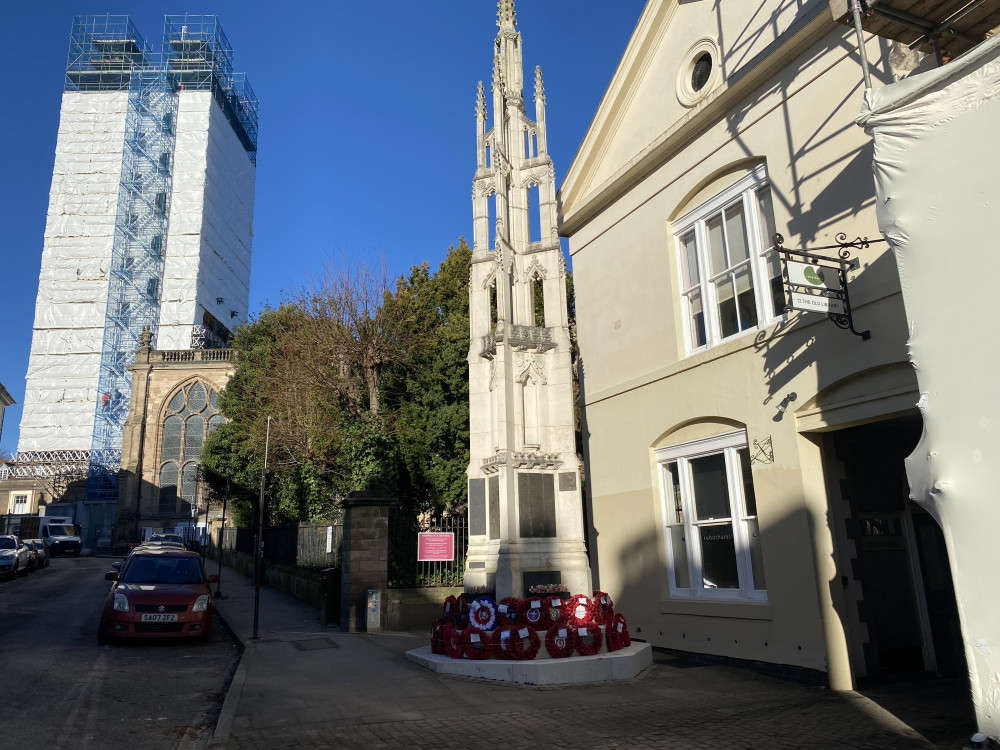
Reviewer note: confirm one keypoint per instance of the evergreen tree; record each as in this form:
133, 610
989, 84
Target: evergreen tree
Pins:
433, 411
363, 395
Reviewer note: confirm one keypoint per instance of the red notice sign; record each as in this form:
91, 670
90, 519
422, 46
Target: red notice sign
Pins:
435, 546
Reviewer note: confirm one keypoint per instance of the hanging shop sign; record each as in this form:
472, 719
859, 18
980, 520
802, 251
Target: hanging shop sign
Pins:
818, 283
435, 546
820, 288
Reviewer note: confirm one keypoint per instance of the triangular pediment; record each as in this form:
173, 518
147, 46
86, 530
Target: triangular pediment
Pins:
656, 91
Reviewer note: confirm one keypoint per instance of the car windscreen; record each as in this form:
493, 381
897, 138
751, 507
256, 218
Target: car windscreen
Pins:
7, 543
163, 570
62, 531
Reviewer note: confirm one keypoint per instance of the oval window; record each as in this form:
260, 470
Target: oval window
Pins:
702, 72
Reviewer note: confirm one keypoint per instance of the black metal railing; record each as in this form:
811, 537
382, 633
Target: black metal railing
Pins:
406, 571
301, 545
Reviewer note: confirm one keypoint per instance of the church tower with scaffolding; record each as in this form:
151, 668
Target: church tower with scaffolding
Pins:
525, 503
149, 226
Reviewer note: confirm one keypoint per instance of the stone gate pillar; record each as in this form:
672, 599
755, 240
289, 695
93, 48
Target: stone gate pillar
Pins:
364, 558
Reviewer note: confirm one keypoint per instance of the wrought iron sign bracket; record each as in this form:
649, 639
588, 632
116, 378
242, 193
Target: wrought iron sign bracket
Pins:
807, 287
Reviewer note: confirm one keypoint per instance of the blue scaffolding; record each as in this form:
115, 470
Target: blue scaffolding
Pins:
103, 50
108, 54
201, 59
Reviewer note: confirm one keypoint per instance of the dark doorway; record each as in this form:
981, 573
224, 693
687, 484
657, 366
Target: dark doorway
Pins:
908, 603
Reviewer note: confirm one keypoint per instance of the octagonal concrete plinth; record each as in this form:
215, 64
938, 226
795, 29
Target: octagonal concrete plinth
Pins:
623, 664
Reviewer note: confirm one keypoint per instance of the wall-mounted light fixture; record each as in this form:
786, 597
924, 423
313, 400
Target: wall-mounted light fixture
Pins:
233, 313
786, 401
783, 405
219, 300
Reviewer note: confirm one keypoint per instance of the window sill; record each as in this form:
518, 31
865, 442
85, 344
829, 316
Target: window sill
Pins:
740, 610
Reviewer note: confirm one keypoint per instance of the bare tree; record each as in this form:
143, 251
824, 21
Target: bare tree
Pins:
368, 321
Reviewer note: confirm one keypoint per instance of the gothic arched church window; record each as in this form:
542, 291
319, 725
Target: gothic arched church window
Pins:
192, 415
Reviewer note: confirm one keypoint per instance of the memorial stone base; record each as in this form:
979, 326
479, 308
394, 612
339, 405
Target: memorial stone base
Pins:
624, 664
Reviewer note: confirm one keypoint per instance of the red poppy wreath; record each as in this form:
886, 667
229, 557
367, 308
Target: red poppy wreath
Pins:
588, 639
524, 646
476, 644
437, 636
556, 609
605, 608
452, 642
483, 613
536, 614
579, 610
559, 641
502, 639
509, 612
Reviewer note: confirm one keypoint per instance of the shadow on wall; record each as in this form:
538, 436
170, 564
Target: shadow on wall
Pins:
849, 186
590, 531
795, 345
939, 709
794, 638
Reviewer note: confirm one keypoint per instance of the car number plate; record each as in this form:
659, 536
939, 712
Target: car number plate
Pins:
156, 617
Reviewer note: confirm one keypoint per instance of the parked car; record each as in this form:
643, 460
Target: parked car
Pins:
41, 551
164, 540
175, 538
156, 544
159, 592
13, 556
32, 557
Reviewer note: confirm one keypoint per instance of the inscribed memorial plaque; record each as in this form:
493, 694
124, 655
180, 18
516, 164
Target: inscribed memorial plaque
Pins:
494, 507
477, 507
537, 506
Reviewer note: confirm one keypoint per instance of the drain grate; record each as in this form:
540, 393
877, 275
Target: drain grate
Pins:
314, 644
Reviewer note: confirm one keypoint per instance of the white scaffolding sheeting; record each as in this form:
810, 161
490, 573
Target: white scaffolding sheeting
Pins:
936, 167
213, 188
65, 358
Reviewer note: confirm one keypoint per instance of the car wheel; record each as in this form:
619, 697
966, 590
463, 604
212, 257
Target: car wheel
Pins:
102, 639
76, 553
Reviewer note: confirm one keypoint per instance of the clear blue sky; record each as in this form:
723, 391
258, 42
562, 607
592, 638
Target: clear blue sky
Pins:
367, 127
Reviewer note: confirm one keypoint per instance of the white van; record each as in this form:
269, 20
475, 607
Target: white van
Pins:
59, 535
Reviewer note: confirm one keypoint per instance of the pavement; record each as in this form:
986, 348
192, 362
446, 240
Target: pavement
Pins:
303, 685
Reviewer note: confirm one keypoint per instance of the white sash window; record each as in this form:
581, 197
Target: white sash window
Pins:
730, 277
710, 511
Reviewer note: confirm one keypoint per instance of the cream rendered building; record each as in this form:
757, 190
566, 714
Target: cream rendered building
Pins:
745, 478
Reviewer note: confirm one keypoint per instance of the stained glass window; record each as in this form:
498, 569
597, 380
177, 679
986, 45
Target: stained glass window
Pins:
196, 397
192, 415
168, 488
172, 437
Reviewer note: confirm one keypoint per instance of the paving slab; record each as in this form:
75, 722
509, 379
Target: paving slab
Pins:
292, 691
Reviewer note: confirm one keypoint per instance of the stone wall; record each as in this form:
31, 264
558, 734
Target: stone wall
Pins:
365, 559
417, 608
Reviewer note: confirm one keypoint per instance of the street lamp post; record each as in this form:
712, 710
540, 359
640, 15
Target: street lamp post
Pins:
260, 534
222, 530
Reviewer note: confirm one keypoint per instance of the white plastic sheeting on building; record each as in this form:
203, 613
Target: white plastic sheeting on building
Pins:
937, 174
213, 186
207, 253
65, 358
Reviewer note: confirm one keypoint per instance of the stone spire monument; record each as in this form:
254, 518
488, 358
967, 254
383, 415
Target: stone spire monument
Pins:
525, 504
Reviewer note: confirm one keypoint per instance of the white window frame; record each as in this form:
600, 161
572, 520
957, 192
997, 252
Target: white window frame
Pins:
759, 246
22, 499
729, 445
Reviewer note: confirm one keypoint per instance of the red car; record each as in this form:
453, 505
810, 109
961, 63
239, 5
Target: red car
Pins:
159, 593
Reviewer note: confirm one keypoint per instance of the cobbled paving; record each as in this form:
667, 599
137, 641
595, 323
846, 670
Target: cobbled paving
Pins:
803, 717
